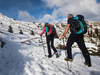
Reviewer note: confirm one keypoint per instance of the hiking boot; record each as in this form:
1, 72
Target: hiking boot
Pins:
2, 44
49, 56
57, 55
89, 65
68, 59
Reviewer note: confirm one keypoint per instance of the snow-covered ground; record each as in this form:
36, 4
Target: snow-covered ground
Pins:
28, 59
18, 58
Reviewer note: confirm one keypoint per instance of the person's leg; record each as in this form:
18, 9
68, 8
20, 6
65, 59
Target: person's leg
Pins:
53, 47
52, 44
81, 44
48, 44
68, 46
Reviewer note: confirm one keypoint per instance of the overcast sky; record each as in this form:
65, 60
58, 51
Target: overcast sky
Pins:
50, 10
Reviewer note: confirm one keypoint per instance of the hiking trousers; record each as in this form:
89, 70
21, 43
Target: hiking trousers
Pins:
79, 39
50, 43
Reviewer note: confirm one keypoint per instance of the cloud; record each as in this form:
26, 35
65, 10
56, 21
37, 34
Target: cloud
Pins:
25, 16
89, 8
54, 3
46, 18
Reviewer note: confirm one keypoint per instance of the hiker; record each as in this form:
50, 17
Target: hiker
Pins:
77, 35
49, 30
2, 43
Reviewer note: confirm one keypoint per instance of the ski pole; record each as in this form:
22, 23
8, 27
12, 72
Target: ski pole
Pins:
63, 42
43, 46
81, 56
66, 54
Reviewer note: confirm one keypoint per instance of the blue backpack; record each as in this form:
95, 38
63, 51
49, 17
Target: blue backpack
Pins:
83, 24
78, 25
52, 28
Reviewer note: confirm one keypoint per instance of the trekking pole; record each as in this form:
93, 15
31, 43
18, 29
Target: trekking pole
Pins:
81, 56
66, 54
43, 46
64, 42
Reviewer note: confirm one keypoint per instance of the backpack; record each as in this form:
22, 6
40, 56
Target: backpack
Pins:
81, 19
75, 26
78, 25
53, 30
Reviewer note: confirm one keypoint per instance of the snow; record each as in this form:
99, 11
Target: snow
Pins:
28, 58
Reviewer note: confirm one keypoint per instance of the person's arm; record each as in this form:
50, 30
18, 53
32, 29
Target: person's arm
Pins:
43, 31
66, 29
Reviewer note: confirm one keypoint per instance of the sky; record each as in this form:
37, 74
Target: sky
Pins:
49, 10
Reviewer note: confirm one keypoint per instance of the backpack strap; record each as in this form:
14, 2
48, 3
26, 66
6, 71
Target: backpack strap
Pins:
82, 28
46, 29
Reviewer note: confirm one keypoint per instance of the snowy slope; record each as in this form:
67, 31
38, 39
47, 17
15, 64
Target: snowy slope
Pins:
28, 58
